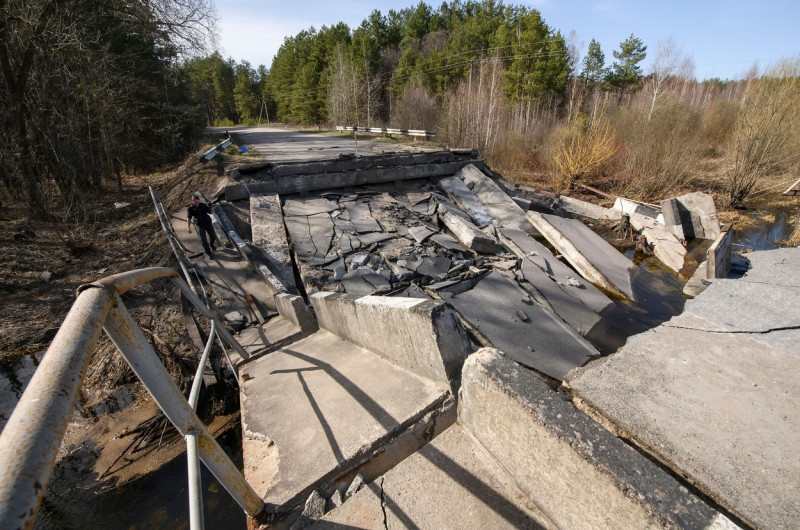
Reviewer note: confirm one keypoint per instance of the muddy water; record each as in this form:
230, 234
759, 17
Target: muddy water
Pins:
764, 237
157, 500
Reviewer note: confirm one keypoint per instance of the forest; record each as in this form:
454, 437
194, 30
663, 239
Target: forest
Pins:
97, 91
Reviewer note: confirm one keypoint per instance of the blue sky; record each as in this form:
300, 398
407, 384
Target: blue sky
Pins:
725, 38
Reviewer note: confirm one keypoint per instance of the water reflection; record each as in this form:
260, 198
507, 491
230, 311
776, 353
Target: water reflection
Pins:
765, 236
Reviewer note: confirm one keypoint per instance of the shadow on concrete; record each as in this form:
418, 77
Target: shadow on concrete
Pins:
380, 414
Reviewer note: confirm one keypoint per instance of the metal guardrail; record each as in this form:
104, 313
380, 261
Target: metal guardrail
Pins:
30, 440
407, 132
214, 151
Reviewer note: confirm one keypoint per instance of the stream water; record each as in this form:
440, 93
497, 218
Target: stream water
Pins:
159, 500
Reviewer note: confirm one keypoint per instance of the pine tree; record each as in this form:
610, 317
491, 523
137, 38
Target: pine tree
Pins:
626, 71
594, 65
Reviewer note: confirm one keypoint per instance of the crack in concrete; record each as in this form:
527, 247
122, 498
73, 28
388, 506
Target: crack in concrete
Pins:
735, 331
383, 506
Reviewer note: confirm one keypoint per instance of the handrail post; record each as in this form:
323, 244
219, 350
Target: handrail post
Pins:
132, 344
29, 443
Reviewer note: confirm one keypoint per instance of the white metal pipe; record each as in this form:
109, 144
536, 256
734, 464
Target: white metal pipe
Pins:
196, 521
198, 375
131, 342
29, 442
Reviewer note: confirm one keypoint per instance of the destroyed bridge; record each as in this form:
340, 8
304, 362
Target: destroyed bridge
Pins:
424, 344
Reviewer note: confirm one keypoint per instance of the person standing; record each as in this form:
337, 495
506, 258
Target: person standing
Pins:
201, 211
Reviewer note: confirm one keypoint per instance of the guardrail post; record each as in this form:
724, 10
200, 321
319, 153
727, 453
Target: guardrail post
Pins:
132, 344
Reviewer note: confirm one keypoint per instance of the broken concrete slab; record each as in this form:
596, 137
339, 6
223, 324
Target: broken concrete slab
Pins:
365, 281
311, 236
471, 491
667, 248
268, 234
460, 194
529, 249
600, 481
435, 267
719, 255
497, 202
467, 233
540, 341
587, 209
627, 206
591, 255
447, 242
712, 392
361, 217
421, 232
717, 408
697, 282
423, 336
346, 404
693, 215
752, 306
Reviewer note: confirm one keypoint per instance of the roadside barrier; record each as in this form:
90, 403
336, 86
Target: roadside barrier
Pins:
407, 132
30, 440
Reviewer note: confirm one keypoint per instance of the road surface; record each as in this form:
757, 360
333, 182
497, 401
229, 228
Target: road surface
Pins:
282, 145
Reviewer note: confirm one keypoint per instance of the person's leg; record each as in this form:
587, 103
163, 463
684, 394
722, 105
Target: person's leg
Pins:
212, 237
203, 239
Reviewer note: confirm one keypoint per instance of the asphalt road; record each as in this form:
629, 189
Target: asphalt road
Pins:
281, 145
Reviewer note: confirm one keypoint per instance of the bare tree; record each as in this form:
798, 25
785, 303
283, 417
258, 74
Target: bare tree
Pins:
576, 89
665, 66
765, 139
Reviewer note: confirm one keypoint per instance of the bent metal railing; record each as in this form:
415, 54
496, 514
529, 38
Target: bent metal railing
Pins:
30, 440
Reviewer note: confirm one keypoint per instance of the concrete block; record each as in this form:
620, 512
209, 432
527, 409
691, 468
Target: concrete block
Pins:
587, 209
573, 469
455, 188
719, 255
499, 204
667, 248
294, 309
467, 233
527, 332
631, 207
268, 234
693, 215
422, 336
320, 408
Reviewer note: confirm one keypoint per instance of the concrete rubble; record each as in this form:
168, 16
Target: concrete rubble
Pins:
522, 457
588, 253
413, 262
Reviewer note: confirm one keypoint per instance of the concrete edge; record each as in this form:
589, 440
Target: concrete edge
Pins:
600, 481
422, 336
294, 309
410, 435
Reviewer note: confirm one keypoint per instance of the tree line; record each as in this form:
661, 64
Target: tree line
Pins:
361, 77
93, 91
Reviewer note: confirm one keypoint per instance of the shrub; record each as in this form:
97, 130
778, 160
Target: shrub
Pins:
581, 151
765, 139
657, 157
